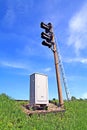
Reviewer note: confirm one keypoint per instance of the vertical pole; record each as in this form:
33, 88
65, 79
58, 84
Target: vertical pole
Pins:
61, 103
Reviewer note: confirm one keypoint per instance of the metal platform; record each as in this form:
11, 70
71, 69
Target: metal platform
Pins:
32, 110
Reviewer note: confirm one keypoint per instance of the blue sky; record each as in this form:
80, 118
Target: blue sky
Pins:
21, 51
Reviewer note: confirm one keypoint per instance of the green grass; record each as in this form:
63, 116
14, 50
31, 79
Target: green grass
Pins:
22, 102
12, 117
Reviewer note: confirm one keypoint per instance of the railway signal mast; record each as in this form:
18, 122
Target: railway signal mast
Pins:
49, 41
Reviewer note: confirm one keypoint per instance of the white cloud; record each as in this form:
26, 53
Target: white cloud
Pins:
75, 78
80, 60
78, 30
47, 69
84, 96
9, 18
12, 65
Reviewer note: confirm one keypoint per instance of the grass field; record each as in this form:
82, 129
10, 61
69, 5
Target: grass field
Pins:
13, 118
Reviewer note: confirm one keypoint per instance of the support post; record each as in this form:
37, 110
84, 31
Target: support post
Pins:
61, 103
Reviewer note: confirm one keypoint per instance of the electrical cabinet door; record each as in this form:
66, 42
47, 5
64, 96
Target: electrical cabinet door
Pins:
41, 89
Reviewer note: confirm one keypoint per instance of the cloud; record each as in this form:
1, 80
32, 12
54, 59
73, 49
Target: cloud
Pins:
9, 18
12, 65
47, 69
16, 13
80, 60
75, 78
84, 96
78, 30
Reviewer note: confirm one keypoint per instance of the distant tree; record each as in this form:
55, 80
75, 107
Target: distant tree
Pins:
73, 98
80, 99
54, 99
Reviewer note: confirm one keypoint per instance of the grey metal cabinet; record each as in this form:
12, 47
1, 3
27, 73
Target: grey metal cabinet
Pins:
38, 89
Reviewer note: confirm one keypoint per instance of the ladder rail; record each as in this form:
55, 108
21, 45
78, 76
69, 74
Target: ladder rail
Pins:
63, 74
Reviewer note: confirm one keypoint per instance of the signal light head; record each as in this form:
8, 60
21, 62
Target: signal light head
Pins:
46, 36
43, 25
45, 43
47, 27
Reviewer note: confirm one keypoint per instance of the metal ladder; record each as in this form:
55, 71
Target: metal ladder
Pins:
63, 74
